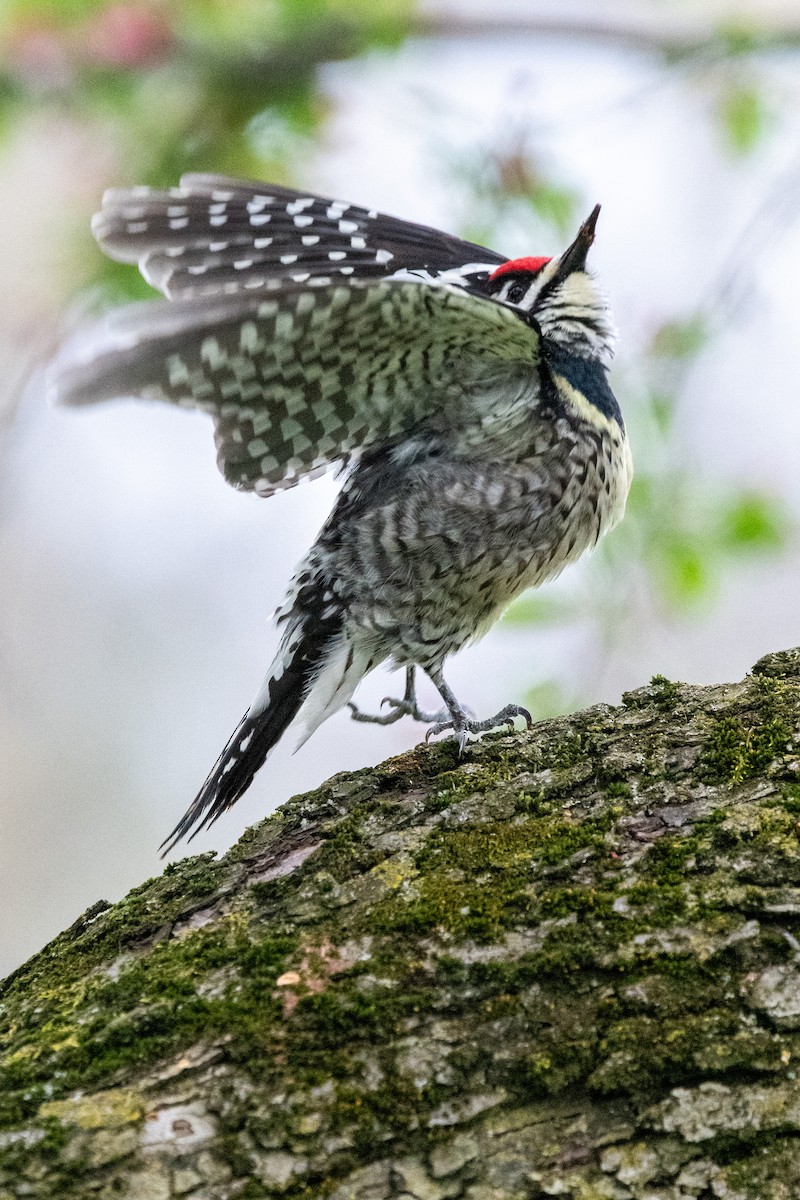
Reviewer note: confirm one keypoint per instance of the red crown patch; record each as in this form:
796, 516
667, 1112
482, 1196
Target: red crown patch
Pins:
520, 264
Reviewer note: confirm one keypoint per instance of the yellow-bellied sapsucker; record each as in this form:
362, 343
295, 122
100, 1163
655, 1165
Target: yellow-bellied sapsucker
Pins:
466, 393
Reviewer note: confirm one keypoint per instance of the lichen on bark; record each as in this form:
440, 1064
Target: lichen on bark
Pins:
563, 965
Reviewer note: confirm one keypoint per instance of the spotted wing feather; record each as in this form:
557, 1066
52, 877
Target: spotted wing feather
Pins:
302, 380
215, 235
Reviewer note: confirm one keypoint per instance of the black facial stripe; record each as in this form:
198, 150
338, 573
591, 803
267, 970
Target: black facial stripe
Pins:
509, 279
547, 290
587, 376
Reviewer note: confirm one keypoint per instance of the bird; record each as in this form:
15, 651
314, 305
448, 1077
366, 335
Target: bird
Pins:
463, 395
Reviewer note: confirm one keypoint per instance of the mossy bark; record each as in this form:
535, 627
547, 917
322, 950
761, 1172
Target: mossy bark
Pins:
564, 965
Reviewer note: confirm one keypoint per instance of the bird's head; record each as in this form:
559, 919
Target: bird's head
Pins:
561, 297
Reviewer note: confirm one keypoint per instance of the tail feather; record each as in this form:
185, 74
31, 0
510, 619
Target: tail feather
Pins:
344, 667
246, 751
314, 674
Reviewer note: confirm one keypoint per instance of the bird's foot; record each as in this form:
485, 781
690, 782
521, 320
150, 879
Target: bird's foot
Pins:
407, 707
462, 726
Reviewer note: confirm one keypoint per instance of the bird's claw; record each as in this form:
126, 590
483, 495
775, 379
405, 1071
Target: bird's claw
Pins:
399, 708
462, 728
374, 718
521, 712
460, 735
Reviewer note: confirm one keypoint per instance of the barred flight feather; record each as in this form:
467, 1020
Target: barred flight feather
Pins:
213, 234
302, 381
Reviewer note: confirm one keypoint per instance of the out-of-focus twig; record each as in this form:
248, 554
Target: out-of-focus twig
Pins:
773, 217
669, 30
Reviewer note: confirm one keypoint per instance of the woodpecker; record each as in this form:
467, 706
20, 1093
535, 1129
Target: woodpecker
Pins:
464, 394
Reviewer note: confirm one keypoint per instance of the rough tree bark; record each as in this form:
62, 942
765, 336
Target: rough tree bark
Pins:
565, 965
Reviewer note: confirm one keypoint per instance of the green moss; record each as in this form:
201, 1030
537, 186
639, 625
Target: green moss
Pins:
147, 909
668, 859
63, 1170
640, 1054
741, 747
559, 902
151, 1009
619, 790
735, 751
479, 910
551, 1069
344, 854
533, 804
790, 798
477, 881
757, 1163
396, 1105
548, 839
640, 1032
488, 771
764, 837
110, 1109
666, 694
657, 903
575, 748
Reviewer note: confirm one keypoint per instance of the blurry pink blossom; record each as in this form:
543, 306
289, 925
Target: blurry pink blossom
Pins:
126, 35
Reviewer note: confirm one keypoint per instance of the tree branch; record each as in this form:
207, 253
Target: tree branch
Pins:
567, 964
673, 31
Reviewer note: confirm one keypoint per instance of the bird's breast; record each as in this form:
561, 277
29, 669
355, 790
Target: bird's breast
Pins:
589, 472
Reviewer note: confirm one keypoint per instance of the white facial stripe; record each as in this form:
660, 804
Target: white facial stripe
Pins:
575, 315
572, 312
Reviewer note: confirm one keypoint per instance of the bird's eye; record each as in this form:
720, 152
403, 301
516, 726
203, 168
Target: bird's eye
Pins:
516, 292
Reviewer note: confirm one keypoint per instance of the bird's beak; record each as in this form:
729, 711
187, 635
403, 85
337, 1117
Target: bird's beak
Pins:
574, 257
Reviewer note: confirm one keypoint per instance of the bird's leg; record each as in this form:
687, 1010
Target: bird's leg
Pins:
461, 721
408, 706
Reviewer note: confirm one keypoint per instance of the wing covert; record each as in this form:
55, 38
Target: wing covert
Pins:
302, 381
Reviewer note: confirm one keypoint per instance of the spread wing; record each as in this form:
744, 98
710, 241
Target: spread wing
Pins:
299, 380
214, 235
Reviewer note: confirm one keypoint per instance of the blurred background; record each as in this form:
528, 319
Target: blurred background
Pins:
136, 588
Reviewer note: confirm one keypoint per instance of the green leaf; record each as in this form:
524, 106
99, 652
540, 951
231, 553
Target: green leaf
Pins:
662, 407
537, 608
754, 522
685, 569
554, 204
548, 699
745, 117
683, 338
739, 37
644, 498
65, 12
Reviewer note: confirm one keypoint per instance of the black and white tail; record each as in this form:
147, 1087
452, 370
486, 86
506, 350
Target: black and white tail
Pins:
313, 675
259, 730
